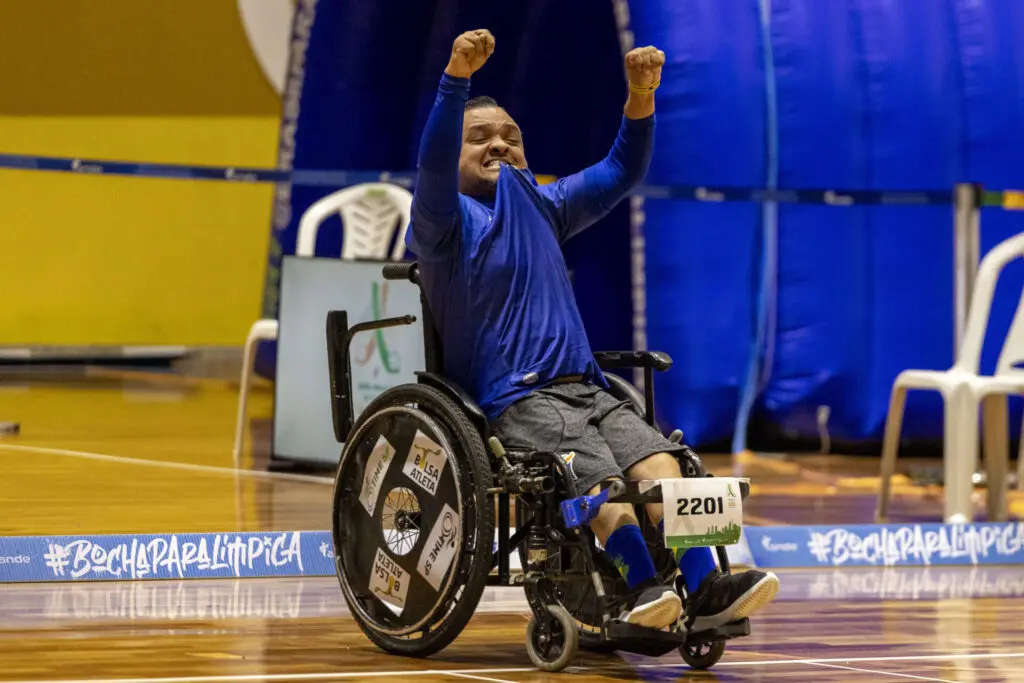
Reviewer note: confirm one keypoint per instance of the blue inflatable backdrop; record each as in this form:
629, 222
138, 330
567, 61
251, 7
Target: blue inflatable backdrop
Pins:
769, 312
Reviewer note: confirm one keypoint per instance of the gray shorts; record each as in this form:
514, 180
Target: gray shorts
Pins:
606, 435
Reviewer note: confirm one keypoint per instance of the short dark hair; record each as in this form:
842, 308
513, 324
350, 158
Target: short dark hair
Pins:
481, 101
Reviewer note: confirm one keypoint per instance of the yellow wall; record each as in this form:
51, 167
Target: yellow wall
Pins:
104, 260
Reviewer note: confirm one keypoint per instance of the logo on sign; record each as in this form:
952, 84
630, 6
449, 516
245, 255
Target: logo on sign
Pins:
425, 463
917, 544
79, 167
388, 359
171, 557
835, 199
388, 581
766, 543
440, 548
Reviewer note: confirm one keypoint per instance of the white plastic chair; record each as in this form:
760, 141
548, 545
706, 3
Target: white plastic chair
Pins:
964, 392
371, 214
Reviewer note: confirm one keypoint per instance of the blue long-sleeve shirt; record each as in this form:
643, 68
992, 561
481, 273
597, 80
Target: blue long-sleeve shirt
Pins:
493, 271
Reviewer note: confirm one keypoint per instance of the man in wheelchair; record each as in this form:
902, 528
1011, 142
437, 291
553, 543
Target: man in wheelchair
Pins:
488, 241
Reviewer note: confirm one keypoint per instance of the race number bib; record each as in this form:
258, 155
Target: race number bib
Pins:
702, 511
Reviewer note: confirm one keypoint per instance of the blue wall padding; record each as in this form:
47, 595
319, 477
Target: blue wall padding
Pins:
703, 259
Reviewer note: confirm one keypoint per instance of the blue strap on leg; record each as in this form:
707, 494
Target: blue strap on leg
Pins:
583, 509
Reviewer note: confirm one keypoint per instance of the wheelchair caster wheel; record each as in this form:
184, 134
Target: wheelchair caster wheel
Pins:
558, 646
702, 655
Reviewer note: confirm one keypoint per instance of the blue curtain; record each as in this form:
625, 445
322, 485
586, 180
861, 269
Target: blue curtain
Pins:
870, 94
807, 307
702, 260
371, 75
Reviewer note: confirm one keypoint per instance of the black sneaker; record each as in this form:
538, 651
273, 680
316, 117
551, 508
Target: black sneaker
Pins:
656, 607
724, 598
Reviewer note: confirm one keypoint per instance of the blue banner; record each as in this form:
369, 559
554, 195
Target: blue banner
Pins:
252, 555
154, 557
342, 178
166, 556
888, 545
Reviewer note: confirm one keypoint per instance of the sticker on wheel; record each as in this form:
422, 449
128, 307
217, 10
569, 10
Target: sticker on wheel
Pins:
388, 581
376, 467
440, 548
425, 462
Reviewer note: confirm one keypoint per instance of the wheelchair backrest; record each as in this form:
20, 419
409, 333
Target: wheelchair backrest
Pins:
433, 353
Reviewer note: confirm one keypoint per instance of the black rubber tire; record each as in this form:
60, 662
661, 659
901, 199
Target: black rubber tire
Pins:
624, 390
569, 637
474, 560
702, 656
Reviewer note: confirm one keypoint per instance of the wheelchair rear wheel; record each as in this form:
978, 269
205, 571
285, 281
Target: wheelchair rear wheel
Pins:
413, 524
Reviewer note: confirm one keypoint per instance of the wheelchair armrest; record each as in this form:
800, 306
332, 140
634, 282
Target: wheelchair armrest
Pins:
658, 360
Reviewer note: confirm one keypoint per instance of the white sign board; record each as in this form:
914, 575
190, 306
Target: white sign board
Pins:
380, 359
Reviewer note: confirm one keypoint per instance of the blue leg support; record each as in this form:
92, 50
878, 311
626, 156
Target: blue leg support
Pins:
583, 509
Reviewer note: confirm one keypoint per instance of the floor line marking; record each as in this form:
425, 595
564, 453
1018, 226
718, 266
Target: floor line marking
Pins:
340, 675
477, 678
189, 467
847, 660
318, 676
884, 673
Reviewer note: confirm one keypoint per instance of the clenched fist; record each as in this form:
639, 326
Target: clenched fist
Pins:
643, 68
469, 52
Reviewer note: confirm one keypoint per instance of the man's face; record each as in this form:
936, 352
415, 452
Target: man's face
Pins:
489, 136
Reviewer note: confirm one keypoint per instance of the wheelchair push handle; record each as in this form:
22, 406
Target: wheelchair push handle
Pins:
401, 271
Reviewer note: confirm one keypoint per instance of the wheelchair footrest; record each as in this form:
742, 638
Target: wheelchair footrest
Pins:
651, 642
735, 629
641, 640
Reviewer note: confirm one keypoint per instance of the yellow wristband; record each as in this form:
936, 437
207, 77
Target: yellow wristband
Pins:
646, 90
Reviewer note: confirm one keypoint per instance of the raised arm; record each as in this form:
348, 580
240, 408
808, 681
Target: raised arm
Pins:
435, 204
580, 200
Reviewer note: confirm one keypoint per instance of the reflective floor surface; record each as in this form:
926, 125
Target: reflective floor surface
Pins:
934, 624
104, 452
107, 452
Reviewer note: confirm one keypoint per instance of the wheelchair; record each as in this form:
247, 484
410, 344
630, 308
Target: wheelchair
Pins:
422, 489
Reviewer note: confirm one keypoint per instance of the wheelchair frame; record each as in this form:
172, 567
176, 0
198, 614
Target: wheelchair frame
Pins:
544, 487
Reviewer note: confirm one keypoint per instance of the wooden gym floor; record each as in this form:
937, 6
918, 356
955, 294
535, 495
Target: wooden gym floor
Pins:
103, 452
